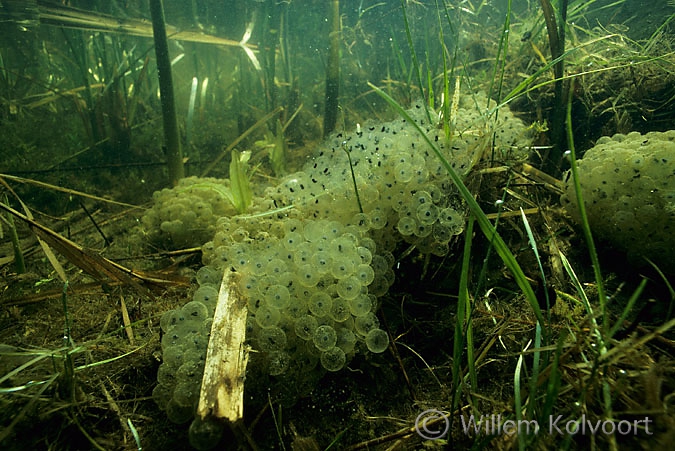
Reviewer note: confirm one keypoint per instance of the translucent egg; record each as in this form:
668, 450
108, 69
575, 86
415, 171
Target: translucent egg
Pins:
406, 226
292, 240
271, 339
254, 302
380, 264
377, 340
437, 195
174, 320
195, 311
346, 340
400, 199
276, 266
221, 257
421, 197
295, 309
369, 193
279, 361
267, 317
378, 219
449, 217
277, 296
342, 267
166, 321
333, 229
333, 359
420, 175
361, 221
360, 305
314, 230
292, 225
403, 172
303, 253
179, 414
339, 311
401, 157
206, 294
320, 303
439, 249
254, 266
427, 213
369, 244
166, 374
186, 394
239, 261
305, 326
189, 372
321, 261
423, 230
171, 338
173, 357
207, 275
366, 323
249, 285
365, 256
441, 233
349, 287
162, 394
307, 275
324, 337
365, 274
343, 245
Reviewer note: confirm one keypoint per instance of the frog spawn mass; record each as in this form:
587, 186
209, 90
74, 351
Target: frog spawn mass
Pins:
315, 258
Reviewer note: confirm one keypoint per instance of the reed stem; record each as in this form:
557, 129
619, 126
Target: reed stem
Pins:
174, 155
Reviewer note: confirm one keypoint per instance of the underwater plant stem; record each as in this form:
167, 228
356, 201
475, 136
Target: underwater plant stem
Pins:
556, 38
553, 38
93, 221
19, 262
332, 70
600, 286
68, 376
191, 111
174, 154
351, 167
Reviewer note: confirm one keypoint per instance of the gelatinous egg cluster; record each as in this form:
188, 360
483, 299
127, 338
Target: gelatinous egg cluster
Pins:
185, 216
628, 186
311, 286
314, 253
184, 341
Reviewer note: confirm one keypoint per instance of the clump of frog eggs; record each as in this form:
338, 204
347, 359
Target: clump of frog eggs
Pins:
186, 215
628, 186
314, 254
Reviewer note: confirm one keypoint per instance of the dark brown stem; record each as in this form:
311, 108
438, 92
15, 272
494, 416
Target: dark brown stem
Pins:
174, 155
556, 37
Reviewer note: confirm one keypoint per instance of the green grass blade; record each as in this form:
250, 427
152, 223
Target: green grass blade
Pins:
463, 316
584, 216
553, 386
464, 299
629, 307
502, 51
668, 285
517, 400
